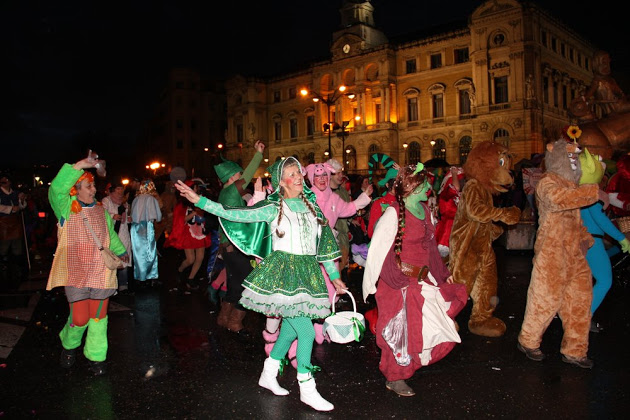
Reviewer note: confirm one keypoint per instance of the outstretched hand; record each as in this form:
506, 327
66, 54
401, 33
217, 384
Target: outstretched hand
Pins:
187, 192
625, 245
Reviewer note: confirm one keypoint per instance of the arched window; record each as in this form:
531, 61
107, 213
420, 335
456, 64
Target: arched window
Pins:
465, 144
348, 77
502, 136
372, 149
326, 83
371, 73
310, 158
439, 149
414, 153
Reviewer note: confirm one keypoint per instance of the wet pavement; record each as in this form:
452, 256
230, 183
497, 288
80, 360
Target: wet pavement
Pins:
167, 359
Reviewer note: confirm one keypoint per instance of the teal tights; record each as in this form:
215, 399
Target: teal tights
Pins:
292, 328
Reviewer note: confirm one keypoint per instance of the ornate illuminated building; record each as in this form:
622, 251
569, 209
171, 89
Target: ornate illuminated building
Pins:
509, 73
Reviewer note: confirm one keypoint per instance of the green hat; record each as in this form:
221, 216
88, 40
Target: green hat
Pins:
276, 170
226, 169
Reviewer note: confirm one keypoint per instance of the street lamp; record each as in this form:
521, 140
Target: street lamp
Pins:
343, 134
329, 100
155, 166
405, 145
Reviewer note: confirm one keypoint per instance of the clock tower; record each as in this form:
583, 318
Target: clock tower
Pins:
358, 32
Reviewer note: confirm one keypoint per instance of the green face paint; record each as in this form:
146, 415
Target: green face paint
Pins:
413, 200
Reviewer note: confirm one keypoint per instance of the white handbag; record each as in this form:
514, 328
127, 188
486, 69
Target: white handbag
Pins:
346, 326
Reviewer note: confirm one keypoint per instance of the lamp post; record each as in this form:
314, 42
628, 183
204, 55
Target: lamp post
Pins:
329, 100
342, 135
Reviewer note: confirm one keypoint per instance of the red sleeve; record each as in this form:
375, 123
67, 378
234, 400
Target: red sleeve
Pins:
376, 211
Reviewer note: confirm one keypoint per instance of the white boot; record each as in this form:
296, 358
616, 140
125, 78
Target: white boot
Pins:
309, 394
268, 377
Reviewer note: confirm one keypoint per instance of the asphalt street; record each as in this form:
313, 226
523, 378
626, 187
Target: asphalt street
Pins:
168, 359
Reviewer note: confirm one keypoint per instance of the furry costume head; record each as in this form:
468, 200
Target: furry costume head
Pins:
319, 169
489, 163
561, 159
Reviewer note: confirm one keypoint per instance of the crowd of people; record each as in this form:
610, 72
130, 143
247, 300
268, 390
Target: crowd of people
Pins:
312, 224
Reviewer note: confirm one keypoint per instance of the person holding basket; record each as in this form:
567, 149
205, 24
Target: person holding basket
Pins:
289, 233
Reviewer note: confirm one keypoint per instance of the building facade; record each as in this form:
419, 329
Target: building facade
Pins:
507, 74
188, 123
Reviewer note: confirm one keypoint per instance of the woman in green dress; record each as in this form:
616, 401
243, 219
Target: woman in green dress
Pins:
289, 233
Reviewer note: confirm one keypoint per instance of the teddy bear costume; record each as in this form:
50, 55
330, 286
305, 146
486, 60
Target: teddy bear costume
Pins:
561, 279
472, 259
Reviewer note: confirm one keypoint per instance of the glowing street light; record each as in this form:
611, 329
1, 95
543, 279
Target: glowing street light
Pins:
154, 166
329, 100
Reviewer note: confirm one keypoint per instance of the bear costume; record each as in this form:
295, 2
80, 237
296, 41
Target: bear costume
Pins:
472, 259
561, 281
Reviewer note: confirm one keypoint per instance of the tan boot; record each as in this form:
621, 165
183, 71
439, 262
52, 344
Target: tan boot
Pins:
224, 314
235, 321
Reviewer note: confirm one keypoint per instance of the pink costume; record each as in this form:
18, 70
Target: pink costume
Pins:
333, 206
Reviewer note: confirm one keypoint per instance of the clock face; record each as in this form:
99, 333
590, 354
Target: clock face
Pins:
346, 48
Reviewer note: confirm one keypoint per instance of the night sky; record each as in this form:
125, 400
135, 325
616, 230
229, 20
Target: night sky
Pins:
83, 72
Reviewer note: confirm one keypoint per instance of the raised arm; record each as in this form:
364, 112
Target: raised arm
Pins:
244, 215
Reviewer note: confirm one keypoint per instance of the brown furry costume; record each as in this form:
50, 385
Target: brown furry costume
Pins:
472, 259
561, 279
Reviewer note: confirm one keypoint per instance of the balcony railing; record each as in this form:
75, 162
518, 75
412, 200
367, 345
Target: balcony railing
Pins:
499, 107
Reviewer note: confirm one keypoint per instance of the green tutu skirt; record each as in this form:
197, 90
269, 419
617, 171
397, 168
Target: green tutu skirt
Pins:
287, 285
